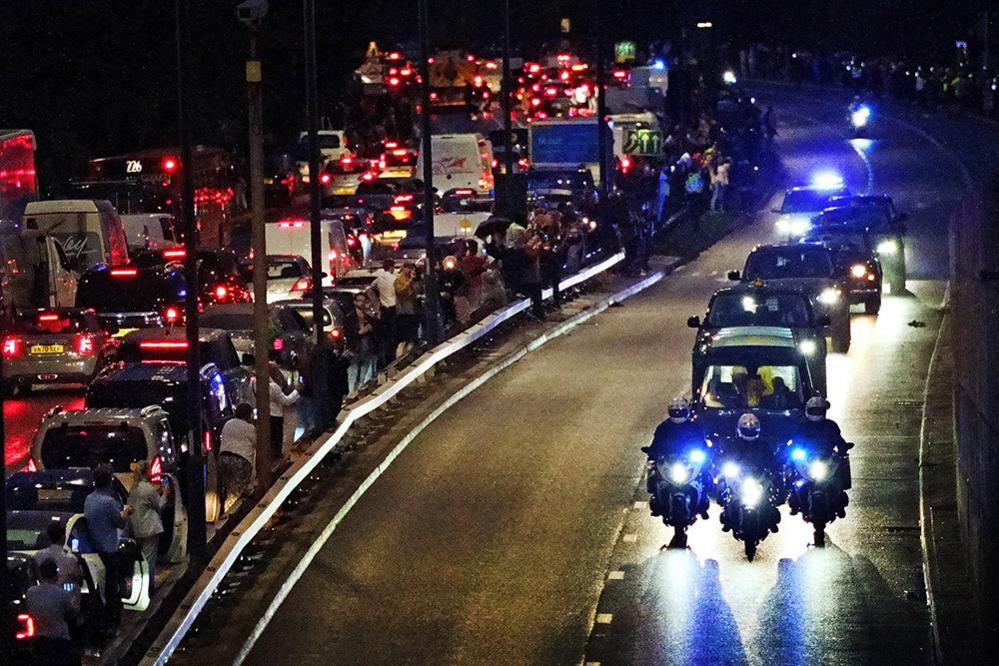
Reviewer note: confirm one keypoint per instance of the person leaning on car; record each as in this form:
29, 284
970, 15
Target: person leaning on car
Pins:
105, 517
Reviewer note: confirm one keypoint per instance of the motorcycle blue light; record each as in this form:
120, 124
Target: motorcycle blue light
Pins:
730, 469
827, 180
697, 456
798, 455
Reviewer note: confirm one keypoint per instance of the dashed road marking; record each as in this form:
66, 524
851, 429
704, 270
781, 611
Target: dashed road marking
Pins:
604, 618
615, 575
629, 538
640, 505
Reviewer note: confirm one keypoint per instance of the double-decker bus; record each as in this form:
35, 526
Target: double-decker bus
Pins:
149, 181
18, 182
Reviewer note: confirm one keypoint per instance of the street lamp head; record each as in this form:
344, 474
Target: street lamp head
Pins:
251, 11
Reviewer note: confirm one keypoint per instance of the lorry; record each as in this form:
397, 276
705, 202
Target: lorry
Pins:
460, 161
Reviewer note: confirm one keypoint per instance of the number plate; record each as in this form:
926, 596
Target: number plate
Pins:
46, 349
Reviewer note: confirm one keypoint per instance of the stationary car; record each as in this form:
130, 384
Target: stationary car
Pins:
288, 331
164, 383
333, 319
550, 187
26, 533
54, 345
801, 204
214, 346
131, 297
69, 444
756, 309
19, 626
288, 275
857, 263
220, 279
809, 268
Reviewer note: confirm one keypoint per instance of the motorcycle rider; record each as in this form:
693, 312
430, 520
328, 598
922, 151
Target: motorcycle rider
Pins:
821, 432
669, 438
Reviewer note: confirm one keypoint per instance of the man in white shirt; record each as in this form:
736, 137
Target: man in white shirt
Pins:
385, 284
238, 454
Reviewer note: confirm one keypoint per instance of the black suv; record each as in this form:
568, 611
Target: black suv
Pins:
856, 261
134, 296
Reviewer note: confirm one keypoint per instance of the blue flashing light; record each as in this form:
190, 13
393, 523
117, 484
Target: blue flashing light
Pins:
697, 456
798, 454
827, 180
182, 293
659, 64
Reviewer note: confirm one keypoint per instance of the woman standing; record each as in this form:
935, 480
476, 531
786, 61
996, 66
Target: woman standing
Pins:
145, 524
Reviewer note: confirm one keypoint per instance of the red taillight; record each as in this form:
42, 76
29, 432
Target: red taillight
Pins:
12, 347
177, 253
403, 198
169, 164
394, 81
625, 164
30, 466
368, 176
221, 291
163, 344
332, 256
48, 317
278, 344
156, 470
171, 315
301, 284
535, 101
495, 163
335, 333
391, 144
400, 213
84, 345
291, 224
351, 241
124, 272
400, 152
25, 627
208, 440
325, 179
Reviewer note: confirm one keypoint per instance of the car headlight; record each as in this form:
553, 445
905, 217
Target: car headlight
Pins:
808, 347
730, 470
783, 225
860, 117
818, 470
887, 246
829, 296
800, 227
858, 270
751, 492
678, 473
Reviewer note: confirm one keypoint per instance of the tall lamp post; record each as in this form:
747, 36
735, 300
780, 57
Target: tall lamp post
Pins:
601, 102
507, 130
430, 281
251, 13
196, 528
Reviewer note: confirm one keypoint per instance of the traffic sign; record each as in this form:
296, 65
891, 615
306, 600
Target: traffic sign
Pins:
643, 142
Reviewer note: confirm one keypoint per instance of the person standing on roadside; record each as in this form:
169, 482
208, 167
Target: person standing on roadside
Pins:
53, 610
238, 454
407, 295
280, 398
105, 517
385, 284
70, 575
361, 341
146, 524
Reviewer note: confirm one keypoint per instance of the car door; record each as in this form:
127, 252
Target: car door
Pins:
62, 281
134, 581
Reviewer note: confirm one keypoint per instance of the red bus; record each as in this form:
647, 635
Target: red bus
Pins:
149, 181
18, 181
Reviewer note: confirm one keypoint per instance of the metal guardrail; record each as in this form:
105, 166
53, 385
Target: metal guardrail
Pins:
244, 533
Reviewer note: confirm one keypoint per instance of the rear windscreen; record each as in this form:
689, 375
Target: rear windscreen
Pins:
67, 497
45, 322
144, 292
89, 446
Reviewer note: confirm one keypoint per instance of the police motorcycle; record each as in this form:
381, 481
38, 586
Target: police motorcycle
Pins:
679, 478
751, 484
861, 115
819, 471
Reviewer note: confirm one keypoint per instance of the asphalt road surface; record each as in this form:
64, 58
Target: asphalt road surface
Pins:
514, 529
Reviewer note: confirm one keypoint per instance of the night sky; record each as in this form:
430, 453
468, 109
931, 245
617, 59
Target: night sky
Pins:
97, 76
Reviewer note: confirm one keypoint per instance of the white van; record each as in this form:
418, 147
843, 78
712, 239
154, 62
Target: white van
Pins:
293, 237
462, 161
90, 232
34, 271
150, 230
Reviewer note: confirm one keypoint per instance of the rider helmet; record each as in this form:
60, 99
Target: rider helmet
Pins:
748, 427
815, 408
679, 410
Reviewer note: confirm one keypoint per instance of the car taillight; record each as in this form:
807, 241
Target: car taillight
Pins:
84, 345
332, 256
208, 440
48, 316
278, 344
25, 627
351, 241
30, 466
156, 470
221, 291
163, 344
12, 347
400, 213
124, 272
171, 315
335, 333
325, 179
302, 284
403, 198
175, 254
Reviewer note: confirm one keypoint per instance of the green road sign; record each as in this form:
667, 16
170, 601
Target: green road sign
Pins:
643, 142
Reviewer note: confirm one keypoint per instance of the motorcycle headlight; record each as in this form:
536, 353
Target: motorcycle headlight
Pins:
808, 347
818, 470
798, 454
697, 456
730, 470
751, 491
829, 296
888, 246
858, 270
783, 225
860, 117
679, 473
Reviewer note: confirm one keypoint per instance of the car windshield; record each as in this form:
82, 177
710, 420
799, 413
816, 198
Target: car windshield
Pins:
859, 216
305, 310
228, 321
804, 201
790, 310
789, 262
92, 445
65, 496
40, 323
770, 387
26, 531
841, 240
283, 269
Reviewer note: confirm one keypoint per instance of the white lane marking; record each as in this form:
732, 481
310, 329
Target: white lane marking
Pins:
713, 273
695, 274
640, 505
615, 575
604, 618
629, 538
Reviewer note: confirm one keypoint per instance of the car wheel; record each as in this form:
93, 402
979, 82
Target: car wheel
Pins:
873, 304
841, 333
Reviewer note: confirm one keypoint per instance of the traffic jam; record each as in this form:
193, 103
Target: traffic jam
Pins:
95, 291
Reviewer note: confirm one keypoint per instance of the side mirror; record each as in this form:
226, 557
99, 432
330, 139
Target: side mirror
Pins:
824, 320
694, 322
248, 359
735, 276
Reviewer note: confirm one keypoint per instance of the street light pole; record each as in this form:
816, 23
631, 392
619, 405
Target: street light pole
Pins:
319, 365
254, 95
430, 282
507, 130
601, 102
196, 527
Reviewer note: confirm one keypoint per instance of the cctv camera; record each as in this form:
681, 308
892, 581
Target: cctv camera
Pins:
250, 11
